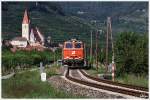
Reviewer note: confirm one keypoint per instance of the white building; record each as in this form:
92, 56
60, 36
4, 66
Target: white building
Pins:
19, 42
32, 36
40, 36
36, 38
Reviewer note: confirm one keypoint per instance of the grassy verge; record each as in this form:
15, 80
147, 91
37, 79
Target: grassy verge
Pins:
20, 70
134, 80
53, 70
126, 78
94, 72
28, 85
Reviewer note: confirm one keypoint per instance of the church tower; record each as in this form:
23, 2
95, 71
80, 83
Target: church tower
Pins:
25, 26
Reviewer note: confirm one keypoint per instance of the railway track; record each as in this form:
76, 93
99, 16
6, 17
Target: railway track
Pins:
135, 92
114, 83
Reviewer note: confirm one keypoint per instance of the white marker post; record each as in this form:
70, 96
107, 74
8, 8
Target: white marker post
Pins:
43, 75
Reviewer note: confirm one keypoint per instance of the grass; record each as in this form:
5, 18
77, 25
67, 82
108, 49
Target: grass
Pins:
134, 80
126, 78
53, 70
93, 71
29, 85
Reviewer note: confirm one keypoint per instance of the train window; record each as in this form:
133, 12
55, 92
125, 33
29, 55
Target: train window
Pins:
69, 45
78, 45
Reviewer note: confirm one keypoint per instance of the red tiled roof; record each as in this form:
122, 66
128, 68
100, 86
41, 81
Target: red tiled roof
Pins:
25, 18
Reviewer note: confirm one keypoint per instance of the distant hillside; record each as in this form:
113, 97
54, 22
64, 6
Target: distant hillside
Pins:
65, 20
49, 17
126, 16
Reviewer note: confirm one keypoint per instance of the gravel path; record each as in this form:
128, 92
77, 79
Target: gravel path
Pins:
8, 76
13, 73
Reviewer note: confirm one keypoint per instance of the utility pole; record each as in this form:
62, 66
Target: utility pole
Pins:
109, 31
54, 53
96, 50
85, 55
91, 56
107, 46
113, 62
111, 39
100, 32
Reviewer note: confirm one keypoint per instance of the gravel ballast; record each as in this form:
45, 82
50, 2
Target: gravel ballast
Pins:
61, 83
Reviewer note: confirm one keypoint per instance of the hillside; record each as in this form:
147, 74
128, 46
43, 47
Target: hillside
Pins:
64, 20
126, 16
51, 22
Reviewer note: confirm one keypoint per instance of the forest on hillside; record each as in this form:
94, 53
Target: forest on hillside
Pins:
66, 20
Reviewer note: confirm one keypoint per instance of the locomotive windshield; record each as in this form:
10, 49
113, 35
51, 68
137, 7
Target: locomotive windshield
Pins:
78, 45
69, 45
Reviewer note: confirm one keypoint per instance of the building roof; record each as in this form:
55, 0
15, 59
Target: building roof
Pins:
40, 34
19, 39
25, 18
37, 34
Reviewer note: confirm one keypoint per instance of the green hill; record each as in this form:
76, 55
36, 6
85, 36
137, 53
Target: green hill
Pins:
126, 16
66, 20
50, 22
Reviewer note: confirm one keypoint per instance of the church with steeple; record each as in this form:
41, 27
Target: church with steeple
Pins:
25, 26
31, 36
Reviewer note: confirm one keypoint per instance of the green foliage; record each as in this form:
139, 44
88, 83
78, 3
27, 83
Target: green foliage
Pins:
47, 17
139, 80
24, 85
61, 21
131, 52
27, 59
53, 70
101, 56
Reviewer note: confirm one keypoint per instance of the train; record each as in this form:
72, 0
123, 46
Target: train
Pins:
73, 53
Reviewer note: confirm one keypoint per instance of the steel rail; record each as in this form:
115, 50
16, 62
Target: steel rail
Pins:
114, 83
109, 88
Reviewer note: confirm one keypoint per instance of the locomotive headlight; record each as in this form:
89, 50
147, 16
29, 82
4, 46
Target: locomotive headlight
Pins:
73, 52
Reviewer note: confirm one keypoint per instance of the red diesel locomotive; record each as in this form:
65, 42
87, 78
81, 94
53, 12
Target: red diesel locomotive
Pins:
73, 52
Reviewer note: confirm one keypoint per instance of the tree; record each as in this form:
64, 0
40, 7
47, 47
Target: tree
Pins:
131, 51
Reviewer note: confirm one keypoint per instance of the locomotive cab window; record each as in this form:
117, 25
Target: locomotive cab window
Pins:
78, 45
69, 45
